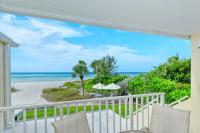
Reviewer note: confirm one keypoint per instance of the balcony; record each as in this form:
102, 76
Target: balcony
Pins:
104, 115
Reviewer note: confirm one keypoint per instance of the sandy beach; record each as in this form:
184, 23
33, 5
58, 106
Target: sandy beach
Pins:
30, 92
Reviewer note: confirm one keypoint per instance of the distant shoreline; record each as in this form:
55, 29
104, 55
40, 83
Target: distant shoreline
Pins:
20, 77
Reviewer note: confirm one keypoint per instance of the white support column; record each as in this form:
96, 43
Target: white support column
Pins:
195, 113
5, 84
2, 92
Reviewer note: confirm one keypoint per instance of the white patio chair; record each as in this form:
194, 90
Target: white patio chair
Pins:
167, 120
75, 123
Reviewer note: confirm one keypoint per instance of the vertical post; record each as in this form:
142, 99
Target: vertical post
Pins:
1, 86
107, 116
61, 111
148, 111
131, 112
162, 99
120, 117
195, 84
92, 117
113, 109
99, 116
137, 117
45, 120
126, 113
24, 120
55, 112
142, 107
35, 120
5, 91
1, 124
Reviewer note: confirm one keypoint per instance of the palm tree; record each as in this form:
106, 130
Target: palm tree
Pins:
79, 70
97, 65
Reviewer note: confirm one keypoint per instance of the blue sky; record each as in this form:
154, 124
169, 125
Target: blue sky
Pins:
55, 46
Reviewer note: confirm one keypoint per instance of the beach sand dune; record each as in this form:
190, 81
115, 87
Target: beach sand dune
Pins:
30, 92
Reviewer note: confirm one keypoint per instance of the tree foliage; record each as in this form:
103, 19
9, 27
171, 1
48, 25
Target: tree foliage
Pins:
172, 78
176, 69
105, 66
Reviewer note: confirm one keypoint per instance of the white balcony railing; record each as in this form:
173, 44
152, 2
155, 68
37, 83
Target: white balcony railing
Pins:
105, 115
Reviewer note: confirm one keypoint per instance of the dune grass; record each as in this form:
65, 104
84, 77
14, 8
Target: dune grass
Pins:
62, 94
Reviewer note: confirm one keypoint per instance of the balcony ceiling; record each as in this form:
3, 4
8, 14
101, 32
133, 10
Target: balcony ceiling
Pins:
179, 18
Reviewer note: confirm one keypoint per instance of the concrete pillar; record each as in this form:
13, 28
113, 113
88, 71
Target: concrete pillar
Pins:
1, 84
5, 84
195, 113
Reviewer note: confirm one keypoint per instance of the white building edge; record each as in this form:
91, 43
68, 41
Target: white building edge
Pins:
178, 18
5, 83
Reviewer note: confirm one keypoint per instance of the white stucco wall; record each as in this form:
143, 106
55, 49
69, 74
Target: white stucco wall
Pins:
195, 113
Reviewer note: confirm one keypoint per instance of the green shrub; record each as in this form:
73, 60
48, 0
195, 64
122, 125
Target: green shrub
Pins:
172, 78
151, 84
72, 85
175, 69
61, 94
88, 86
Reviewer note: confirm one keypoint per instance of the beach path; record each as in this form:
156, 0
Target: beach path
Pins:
30, 92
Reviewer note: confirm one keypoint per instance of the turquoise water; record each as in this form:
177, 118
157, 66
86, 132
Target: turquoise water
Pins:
53, 76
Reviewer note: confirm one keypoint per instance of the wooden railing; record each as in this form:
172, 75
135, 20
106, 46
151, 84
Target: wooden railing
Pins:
126, 107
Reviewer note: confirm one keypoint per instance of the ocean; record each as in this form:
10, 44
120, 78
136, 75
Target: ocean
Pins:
53, 76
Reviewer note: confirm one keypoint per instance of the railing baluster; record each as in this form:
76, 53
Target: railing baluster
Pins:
45, 119
137, 119
142, 107
113, 108
99, 116
126, 113
157, 99
143, 102
84, 106
24, 120
55, 112
148, 110
162, 100
1, 121
76, 107
61, 111
107, 116
152, 99
120, 118
68, 109
92, 117
131, 112
35, 120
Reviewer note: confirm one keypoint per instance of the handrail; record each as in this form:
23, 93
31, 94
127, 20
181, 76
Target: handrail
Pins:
2, 109
170, 105
178, 101
144, 107
62, 109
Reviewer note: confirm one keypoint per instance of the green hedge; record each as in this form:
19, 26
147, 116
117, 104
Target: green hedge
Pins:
150, 83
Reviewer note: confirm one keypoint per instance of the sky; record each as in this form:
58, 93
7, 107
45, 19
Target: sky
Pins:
56, 46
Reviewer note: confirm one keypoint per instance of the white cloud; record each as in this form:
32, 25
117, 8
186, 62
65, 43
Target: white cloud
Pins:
52, 29
44, 41
26, 30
